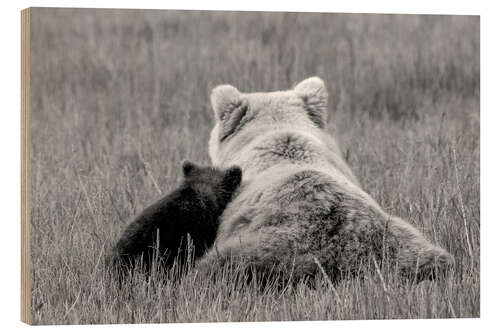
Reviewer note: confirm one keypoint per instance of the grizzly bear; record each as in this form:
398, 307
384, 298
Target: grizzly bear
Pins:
190, 212
300, 210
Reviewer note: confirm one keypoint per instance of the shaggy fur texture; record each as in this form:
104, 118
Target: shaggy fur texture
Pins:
300, 206
193, 209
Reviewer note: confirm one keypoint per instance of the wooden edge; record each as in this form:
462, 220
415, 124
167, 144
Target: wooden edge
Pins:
25, 167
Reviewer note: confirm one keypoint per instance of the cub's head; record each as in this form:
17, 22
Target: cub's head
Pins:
217, 184
250, 114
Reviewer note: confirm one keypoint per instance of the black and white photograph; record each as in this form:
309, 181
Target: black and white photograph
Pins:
199, 166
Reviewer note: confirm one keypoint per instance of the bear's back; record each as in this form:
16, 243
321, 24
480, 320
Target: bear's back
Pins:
280, 187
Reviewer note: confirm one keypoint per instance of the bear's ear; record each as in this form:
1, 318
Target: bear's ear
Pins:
188, 167
229, 108
225, 98
232, 178
313, 93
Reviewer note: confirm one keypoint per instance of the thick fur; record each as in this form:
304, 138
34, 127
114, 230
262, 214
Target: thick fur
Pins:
300, 206
190, 212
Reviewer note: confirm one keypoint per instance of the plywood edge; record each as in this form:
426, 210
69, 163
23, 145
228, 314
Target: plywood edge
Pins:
25, 167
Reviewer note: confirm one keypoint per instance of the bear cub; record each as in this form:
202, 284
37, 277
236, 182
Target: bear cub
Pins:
192, 209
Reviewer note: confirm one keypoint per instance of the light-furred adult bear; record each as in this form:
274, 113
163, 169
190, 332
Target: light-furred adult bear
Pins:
300, 207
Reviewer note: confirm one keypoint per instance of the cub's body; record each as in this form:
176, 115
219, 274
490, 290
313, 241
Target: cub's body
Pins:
188, 214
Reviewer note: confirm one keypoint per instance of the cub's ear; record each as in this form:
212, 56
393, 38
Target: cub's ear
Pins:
229, 108
188, 167
232, 178
313, 93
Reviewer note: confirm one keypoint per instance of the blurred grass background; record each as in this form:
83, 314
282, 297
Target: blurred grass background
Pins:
120, 97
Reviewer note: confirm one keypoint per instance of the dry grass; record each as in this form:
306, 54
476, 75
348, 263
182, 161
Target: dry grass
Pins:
120, 97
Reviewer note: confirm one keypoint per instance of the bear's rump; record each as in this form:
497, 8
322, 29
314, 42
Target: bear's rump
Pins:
303, 199
307, 218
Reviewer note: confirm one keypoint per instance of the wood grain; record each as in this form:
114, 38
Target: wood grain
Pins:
25, 167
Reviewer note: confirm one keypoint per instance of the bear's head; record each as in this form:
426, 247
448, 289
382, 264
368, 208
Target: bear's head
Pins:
211, 182
236, 113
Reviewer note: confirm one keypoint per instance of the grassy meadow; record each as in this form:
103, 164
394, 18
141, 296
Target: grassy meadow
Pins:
119, 98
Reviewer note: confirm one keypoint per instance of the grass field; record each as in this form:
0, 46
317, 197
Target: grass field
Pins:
119, 98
